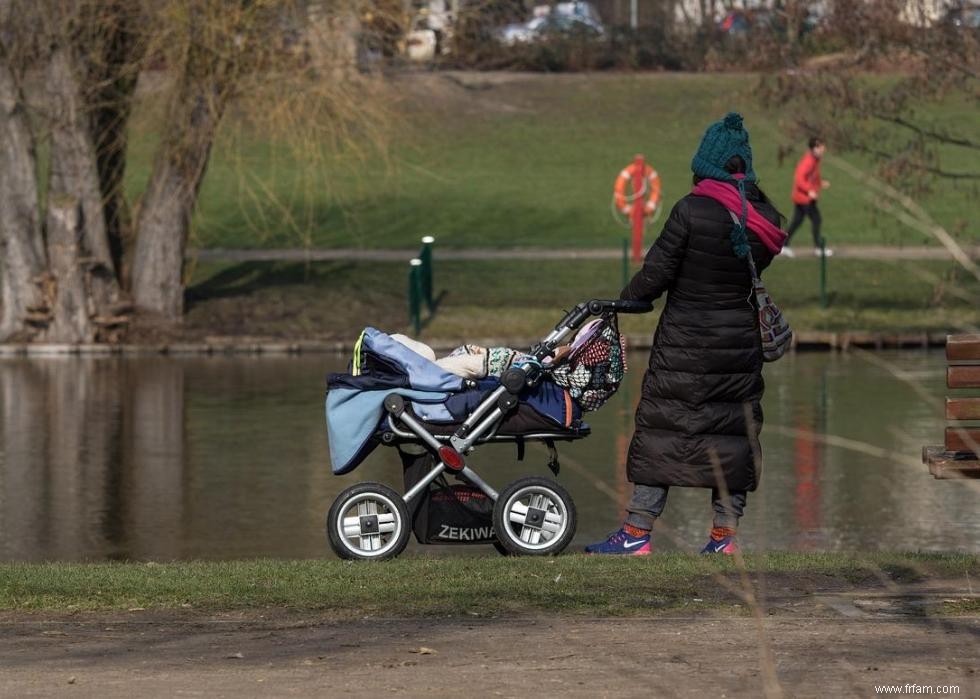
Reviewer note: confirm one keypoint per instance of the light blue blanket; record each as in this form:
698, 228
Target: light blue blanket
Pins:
353, 416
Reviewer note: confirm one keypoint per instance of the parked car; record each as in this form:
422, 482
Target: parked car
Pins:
564, 19
966, 16
740, 23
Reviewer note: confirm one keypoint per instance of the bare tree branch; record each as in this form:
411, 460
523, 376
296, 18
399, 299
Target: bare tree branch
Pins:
903, 208
928, 133
918, 164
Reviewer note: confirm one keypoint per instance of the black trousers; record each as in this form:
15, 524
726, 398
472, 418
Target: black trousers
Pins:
799, 212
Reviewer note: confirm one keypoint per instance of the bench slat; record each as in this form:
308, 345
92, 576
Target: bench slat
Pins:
962, 438
963, 377
963, 348
963, 408
944, 465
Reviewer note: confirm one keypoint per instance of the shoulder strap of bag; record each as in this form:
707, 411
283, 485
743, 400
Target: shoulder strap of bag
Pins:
756, 281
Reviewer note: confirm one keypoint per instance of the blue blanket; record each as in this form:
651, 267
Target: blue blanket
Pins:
352, 419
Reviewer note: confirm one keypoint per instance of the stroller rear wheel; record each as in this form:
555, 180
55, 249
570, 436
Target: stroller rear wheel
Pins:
368, 521
534, 517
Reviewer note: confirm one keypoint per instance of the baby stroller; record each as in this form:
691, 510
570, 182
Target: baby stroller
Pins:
393, 396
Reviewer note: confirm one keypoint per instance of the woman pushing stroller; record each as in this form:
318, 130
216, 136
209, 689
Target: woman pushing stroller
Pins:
700, 416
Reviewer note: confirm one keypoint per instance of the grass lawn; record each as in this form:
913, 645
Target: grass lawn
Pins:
523, 299
515, 159
574, 584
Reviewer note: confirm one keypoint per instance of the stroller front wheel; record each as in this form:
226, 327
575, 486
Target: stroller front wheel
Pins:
368, 521
534, 517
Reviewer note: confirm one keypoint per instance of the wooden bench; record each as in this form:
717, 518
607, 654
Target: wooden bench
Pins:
957, 458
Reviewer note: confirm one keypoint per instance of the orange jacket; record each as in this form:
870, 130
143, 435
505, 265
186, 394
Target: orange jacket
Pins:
806, 179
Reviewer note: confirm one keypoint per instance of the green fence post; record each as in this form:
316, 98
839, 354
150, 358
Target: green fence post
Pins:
823, 274
626, 262
415, 294
425, 254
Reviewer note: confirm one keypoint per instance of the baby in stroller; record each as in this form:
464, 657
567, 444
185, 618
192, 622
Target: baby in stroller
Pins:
436, 411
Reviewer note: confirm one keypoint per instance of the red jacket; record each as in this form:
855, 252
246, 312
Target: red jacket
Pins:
806, 179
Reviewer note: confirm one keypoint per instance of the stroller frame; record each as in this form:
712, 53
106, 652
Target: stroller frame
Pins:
542, 510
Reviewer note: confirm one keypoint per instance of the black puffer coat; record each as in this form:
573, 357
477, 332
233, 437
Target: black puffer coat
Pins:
702, 391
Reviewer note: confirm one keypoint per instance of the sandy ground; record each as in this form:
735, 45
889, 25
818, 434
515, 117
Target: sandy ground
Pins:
820, 645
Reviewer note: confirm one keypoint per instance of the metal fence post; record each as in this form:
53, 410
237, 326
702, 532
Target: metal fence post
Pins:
415, 294
425, 254
626, 262
823, 274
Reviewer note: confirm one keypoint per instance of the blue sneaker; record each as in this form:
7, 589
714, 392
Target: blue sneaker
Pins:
727, 546
622, 544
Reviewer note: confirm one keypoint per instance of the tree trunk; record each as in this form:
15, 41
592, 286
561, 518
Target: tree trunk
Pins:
74, 172
21, 252
72, 314
112, 73
165, 212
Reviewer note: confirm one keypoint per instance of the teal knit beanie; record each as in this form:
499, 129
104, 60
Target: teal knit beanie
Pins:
723, 140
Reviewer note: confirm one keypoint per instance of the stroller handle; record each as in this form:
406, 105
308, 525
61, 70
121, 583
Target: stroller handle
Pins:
574, 319
598, 307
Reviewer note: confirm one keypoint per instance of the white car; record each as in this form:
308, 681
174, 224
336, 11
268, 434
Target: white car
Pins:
563, 19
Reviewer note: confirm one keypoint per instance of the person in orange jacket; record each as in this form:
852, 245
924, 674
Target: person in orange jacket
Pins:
807, 184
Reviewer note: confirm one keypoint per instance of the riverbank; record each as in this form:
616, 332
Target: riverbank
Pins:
275, 307
482, 587
802, 625
230, 345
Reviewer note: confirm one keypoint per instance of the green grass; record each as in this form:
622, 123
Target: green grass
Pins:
456, 586
964, 607
523, 299
526, 160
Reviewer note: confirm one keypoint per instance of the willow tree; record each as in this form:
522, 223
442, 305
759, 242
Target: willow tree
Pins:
79, 259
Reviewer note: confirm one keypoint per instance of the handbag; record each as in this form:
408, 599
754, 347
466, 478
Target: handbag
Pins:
777, 336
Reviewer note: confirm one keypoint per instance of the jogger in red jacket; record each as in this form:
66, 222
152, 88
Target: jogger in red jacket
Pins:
807, 184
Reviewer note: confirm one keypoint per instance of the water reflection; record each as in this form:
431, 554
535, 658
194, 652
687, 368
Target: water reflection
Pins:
226, 457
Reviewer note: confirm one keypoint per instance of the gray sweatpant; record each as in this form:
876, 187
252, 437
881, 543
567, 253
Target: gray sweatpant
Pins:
648, 503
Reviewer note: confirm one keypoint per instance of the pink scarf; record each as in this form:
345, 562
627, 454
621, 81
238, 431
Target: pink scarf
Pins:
727, 195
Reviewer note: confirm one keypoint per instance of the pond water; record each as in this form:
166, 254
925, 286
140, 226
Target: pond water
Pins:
155, 458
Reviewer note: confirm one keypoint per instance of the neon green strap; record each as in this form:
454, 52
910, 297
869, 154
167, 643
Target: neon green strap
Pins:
357, 355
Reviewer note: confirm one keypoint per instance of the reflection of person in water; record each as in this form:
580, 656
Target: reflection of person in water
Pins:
807, 459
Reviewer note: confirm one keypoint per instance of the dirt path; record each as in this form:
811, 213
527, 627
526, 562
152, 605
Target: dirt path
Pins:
821, 645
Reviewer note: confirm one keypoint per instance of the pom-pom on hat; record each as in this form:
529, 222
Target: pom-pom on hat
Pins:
723, 140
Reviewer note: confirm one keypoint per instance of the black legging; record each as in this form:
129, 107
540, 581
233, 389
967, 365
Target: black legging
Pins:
799, 212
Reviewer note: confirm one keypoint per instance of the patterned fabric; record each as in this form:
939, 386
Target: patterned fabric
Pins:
496, 360
592, 373
777, 337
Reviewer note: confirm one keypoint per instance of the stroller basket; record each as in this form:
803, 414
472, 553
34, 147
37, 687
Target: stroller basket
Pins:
393, 396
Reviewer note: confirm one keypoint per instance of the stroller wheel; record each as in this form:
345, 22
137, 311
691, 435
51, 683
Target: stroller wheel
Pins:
368, 521
534, 517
